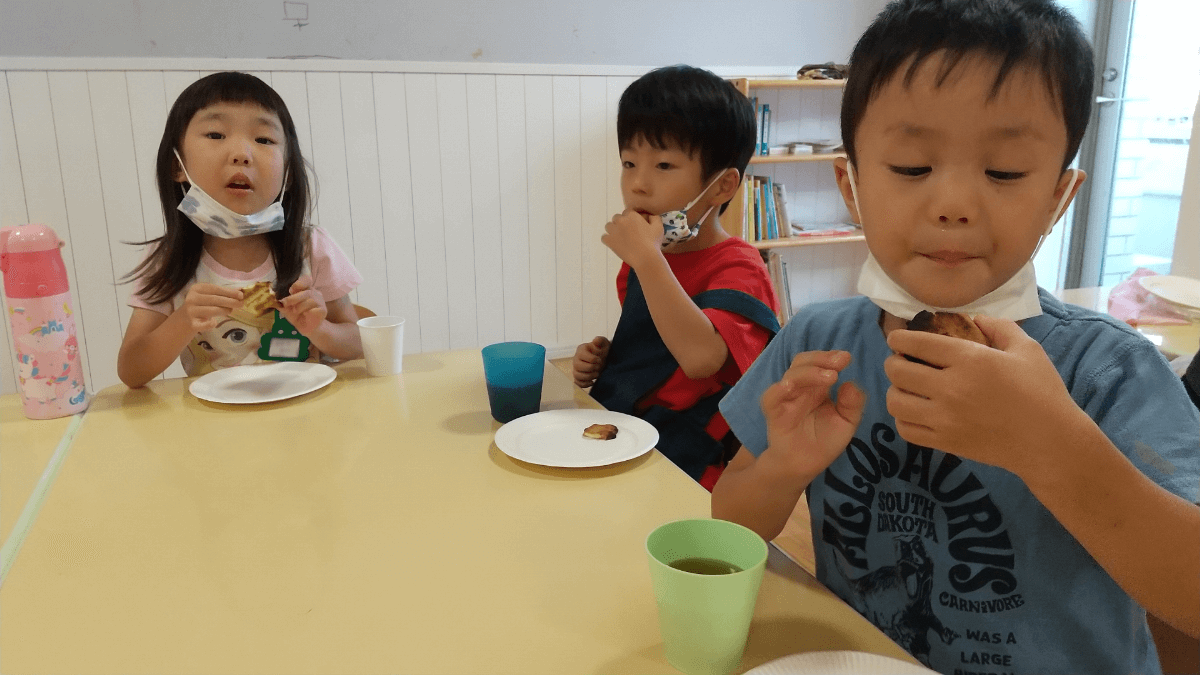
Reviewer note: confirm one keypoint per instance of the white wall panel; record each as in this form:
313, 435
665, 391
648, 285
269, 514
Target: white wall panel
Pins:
512, 149
395, 172
456, 209
485, 207
593, 207
425, 154
148, 119
568, 220
329, 159
539, 158
119, 177
365, 213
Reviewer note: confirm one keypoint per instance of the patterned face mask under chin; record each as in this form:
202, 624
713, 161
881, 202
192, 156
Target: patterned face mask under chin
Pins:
214, 218
1015, 299
675, 223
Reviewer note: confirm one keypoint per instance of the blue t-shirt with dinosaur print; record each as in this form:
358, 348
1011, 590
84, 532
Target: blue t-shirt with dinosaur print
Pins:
956, 560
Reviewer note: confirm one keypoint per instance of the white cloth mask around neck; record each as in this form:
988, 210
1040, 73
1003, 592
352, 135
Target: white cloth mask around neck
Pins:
675, 223
1015, 299
218, 220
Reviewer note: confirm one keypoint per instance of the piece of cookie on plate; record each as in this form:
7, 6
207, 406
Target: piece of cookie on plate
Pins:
601, 432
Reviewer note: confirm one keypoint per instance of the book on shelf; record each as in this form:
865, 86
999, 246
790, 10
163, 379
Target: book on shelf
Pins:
823, 229
780, 281
781, 211
757, 124
760, 231
768, 197
785, 302
765, 216
764, 129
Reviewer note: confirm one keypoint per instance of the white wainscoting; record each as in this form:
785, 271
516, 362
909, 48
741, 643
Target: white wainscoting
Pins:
472, 202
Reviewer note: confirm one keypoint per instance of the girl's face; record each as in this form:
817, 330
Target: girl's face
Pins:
236, 152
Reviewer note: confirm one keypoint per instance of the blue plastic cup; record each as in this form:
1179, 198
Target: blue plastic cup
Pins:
514, 378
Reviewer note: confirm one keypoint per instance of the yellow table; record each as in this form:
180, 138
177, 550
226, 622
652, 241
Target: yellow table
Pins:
1171, 340
369, 527
26, 447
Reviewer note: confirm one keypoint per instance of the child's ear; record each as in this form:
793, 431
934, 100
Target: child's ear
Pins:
842, 176
178, 173
1064, 183
727, 186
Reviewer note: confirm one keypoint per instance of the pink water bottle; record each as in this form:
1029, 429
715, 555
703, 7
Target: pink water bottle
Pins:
43, 322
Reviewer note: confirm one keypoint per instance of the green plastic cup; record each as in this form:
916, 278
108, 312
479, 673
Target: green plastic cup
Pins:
705, 618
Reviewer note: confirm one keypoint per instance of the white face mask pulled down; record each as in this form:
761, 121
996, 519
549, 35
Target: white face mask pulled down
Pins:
216, 219
1015, 299
675, 223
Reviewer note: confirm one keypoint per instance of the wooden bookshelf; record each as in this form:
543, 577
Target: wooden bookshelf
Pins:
734, 215
786, 159
786, 242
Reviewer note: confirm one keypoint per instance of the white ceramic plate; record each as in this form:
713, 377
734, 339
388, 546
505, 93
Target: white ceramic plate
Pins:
1180, 291
555, 438
839, 663
262, 383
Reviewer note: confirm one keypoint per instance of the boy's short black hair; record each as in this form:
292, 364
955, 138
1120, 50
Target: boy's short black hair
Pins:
694, 109
1016, 33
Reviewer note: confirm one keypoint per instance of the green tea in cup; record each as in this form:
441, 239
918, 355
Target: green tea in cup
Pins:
706, 575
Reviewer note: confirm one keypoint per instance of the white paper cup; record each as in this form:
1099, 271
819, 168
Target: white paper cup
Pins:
383, 344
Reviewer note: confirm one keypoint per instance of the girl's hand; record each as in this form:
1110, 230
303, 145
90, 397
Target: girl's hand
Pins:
304, 307
995, 405
206, 304
806, 429
589, 361
633, 237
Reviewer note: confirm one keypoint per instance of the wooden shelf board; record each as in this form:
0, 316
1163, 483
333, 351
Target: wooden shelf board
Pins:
806, 241
794, 84
787, 159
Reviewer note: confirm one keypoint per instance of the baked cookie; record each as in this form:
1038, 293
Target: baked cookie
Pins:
951, 324
601, 432
948, 323
259, 298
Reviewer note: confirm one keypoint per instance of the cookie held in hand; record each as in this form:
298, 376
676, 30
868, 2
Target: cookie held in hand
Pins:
259, 298
951, 324
948, 323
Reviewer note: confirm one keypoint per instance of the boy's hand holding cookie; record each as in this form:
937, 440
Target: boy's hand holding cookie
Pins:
634, 237
806, 428
206, 304
996, 405
304, 307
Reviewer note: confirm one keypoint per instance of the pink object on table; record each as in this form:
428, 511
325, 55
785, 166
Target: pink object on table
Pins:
1134, 305
43, 322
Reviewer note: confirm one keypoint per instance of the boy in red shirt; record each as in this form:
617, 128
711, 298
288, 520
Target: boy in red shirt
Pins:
697, 306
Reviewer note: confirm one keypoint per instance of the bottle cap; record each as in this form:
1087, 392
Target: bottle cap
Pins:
31, 262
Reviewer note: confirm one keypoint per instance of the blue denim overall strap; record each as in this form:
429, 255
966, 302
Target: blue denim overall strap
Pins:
639, 362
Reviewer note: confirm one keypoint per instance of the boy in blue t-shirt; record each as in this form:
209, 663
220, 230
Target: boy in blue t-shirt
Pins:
1012, 508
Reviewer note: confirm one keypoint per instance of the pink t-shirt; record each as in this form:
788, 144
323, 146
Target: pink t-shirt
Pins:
236, 340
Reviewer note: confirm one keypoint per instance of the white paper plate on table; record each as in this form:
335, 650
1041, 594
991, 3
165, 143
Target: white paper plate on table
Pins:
839, 663
555, 438
262, 383
1179, 291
